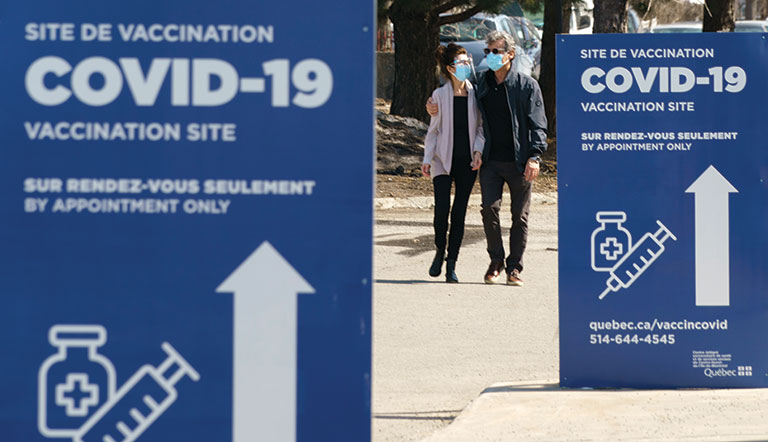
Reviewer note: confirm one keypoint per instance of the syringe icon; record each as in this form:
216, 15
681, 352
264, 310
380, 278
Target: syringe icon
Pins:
150, 389
642, 254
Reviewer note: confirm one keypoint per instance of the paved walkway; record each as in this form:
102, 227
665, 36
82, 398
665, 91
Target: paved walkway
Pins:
542, 412
437, 346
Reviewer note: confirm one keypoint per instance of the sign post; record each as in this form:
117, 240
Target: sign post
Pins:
186, 212
662, 191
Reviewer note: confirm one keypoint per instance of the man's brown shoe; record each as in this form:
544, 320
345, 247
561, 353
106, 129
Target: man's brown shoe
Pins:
513, 278
494, 270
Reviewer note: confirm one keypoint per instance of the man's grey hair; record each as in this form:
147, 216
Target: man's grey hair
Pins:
509, 42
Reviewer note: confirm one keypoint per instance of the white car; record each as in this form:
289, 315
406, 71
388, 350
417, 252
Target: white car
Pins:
684, 27
751, 26
692, 27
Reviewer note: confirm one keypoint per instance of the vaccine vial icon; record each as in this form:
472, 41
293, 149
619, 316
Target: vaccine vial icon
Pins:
74, 382
610, 241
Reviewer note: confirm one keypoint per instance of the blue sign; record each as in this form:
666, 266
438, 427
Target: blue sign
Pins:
663, 179
186, 219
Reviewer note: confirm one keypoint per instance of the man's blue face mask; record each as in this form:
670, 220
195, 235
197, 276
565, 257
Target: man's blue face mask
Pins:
495, 61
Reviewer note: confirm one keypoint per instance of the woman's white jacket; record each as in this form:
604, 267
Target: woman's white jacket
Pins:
438, 144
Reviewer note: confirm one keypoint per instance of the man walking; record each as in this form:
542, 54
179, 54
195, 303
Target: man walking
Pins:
515, 131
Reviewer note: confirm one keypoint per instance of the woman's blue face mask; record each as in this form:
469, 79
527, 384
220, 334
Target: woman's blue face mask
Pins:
463, 71
463, 68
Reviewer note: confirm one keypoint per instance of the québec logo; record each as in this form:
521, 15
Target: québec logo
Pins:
741, 370
720, 372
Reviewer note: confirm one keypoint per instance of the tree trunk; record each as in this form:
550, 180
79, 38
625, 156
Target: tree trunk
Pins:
547, 75
416, 41
720, 16
749, 9
610, 17
565, 14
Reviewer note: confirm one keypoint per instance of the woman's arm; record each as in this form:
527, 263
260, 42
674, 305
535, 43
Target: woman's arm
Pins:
430, 141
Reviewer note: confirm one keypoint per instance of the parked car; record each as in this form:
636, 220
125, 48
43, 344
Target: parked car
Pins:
692, 26
539, 23
634, 23
529, 38
751, 26
684, 27
471, 35
581, 19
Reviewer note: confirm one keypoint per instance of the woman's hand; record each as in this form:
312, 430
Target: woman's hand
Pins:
425, 169
431, 107
477, 160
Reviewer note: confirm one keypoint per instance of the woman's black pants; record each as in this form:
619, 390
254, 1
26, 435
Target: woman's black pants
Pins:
464, 177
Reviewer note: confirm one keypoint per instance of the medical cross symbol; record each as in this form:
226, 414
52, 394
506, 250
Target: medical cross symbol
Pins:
611, 248
77, 395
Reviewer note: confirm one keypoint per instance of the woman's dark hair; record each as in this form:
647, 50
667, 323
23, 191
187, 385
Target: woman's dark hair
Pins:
446, 55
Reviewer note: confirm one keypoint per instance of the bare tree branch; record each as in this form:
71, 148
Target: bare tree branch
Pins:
447, 6
446, 19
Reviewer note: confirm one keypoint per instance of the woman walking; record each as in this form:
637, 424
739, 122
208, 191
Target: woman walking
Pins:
452, 154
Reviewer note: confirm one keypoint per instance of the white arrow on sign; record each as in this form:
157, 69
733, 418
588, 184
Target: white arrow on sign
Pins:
266, 289
711, 192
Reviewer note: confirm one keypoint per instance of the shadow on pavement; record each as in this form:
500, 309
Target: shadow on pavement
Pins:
404, 281
437, 280
394, 222
425, 243
524, 387
442, 415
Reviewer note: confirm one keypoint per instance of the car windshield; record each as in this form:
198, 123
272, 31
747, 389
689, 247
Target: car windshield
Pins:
468, 30
532, 30
517, 31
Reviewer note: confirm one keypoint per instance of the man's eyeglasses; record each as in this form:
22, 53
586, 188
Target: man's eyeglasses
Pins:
464, 62
494, 50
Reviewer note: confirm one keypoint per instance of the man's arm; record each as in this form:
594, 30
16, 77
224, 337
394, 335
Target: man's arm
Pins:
537, 121
537, 124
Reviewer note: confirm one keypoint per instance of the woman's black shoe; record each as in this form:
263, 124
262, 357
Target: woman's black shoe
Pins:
437, 263
450, 274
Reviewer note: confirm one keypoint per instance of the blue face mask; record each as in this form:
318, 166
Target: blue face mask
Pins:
495, 61
462, 72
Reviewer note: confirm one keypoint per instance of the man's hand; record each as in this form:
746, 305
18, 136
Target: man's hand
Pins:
425, 169
531, 170
477, 160
432, 109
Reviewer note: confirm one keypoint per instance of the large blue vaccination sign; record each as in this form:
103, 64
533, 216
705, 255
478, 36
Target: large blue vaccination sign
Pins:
186, 220
663, 184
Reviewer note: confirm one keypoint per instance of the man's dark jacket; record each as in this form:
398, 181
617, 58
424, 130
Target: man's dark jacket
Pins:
529, 122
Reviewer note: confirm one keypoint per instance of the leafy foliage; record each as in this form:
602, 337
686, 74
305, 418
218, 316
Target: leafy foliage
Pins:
531, 6
421, 7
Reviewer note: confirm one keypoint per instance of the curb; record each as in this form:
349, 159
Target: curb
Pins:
427, 202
